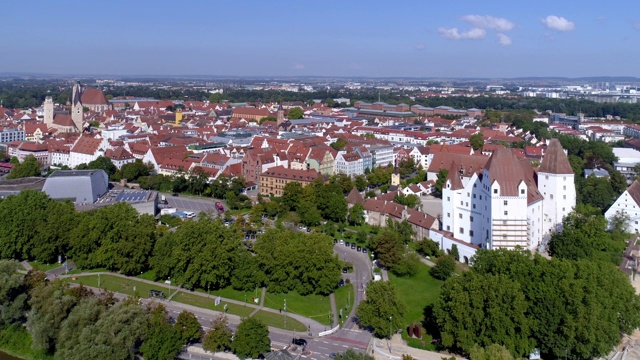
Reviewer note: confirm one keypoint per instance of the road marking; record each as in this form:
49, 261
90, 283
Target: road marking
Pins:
344, 346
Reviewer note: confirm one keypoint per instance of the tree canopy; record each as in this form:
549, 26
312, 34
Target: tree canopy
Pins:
29, 167
383, 310
251, 339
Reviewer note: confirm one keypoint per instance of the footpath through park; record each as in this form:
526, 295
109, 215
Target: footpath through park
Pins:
314, 326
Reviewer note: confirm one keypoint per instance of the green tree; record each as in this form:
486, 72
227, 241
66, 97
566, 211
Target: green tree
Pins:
444, 268
455, 254
356, 215
13, 296
596, 192
28, 168
85, 314
295, 113
408, 265
267, 118
309, 214
103, 163
291, 195
161, 341
383, 311
491, 352
219, 337
360, 182
188, 327
339, 144
135, 170
251, 339
388, 248
477, 141
478, 301
427, 247
442, 177
411, 200
50, 305
353, 355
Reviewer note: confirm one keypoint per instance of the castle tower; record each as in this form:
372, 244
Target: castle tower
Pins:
48, 110
556, 183
77, 112
280, 115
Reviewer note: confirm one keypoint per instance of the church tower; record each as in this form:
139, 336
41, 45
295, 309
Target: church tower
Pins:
556, 183
280, 115
48, 110
77, 112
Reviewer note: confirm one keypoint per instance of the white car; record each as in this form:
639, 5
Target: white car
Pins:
341, 242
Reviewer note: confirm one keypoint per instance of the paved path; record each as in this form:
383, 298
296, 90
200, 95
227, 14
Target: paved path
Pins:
394, 349
334, 308
315, 326
26, 265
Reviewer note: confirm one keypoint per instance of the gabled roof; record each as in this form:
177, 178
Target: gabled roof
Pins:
453, 176
93, 96
555, 161
354, 197
503, 166
634, 192
87, 145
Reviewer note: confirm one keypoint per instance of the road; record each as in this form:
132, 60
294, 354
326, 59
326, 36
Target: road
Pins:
350, 336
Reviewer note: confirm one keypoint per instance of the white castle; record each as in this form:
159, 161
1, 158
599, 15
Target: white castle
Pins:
509, 203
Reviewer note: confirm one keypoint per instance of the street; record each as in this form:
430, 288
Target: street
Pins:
197, 205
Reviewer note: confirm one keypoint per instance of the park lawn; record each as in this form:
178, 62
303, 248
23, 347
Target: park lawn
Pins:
208, 303
44, 267
78, 271
315, 307
417, 292
277, 321
344, 295
149, 275
233, 294
121, 285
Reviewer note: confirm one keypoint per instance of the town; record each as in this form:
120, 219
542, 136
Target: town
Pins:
393, 198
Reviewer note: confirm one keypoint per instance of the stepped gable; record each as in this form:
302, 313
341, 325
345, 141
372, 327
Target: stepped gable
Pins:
454, 176
555, 161
503, 166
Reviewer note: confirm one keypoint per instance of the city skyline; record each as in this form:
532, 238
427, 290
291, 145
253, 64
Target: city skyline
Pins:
359, 39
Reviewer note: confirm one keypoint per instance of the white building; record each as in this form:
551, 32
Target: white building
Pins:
627, 204
85, 150
627, 160
502, 206
349, 164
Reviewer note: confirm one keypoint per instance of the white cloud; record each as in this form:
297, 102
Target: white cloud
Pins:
558, 23
420, 47
298, 66
454, 34
503, 39
489, 22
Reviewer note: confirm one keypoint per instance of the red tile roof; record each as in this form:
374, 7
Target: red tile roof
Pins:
555, 161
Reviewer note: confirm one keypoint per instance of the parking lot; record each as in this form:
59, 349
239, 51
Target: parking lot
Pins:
190, 204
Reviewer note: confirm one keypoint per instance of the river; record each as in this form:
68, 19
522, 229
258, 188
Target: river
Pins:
4, 356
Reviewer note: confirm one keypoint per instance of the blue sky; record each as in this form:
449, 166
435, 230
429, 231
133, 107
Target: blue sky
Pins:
488, 38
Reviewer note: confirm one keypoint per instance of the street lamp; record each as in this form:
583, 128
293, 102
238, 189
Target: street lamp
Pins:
390, 327
169, 286
66, 267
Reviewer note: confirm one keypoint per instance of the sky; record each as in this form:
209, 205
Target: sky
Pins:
374, 38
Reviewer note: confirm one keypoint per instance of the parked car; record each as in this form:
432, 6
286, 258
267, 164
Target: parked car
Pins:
353, 246
335, 241
364, 250
345, 270
347, 244
359, 248
156, 294
341, 242
299, 342
341, 282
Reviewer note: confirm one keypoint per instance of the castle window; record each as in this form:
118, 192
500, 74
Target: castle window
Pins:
564, 187
505, 203
460, 216
471, 218
474, 206
506, 213
470, 232
495, 191
461, 230
551, 196
448, 214
448, 198
546, 177
448, 228
474, 196
564, 197
522, 191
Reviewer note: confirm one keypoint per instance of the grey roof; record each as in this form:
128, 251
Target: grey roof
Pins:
80, 186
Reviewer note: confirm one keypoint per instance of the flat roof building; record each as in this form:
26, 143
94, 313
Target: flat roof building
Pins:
79, 186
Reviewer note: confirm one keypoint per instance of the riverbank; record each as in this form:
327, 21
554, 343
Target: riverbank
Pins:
15, 342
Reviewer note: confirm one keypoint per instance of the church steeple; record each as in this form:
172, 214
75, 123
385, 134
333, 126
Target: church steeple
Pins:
280, 115
77, 111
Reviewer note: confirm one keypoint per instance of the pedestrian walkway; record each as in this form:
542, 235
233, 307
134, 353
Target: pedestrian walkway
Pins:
25, 264
383, 349
314, 326
334, 308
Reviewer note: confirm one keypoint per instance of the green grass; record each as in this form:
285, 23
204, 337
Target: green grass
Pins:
16, 341
343, 295
207, 303
44, 267
231, 293
78, 271
149, 275
277, 321
315, 307
124, 286
417, 292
